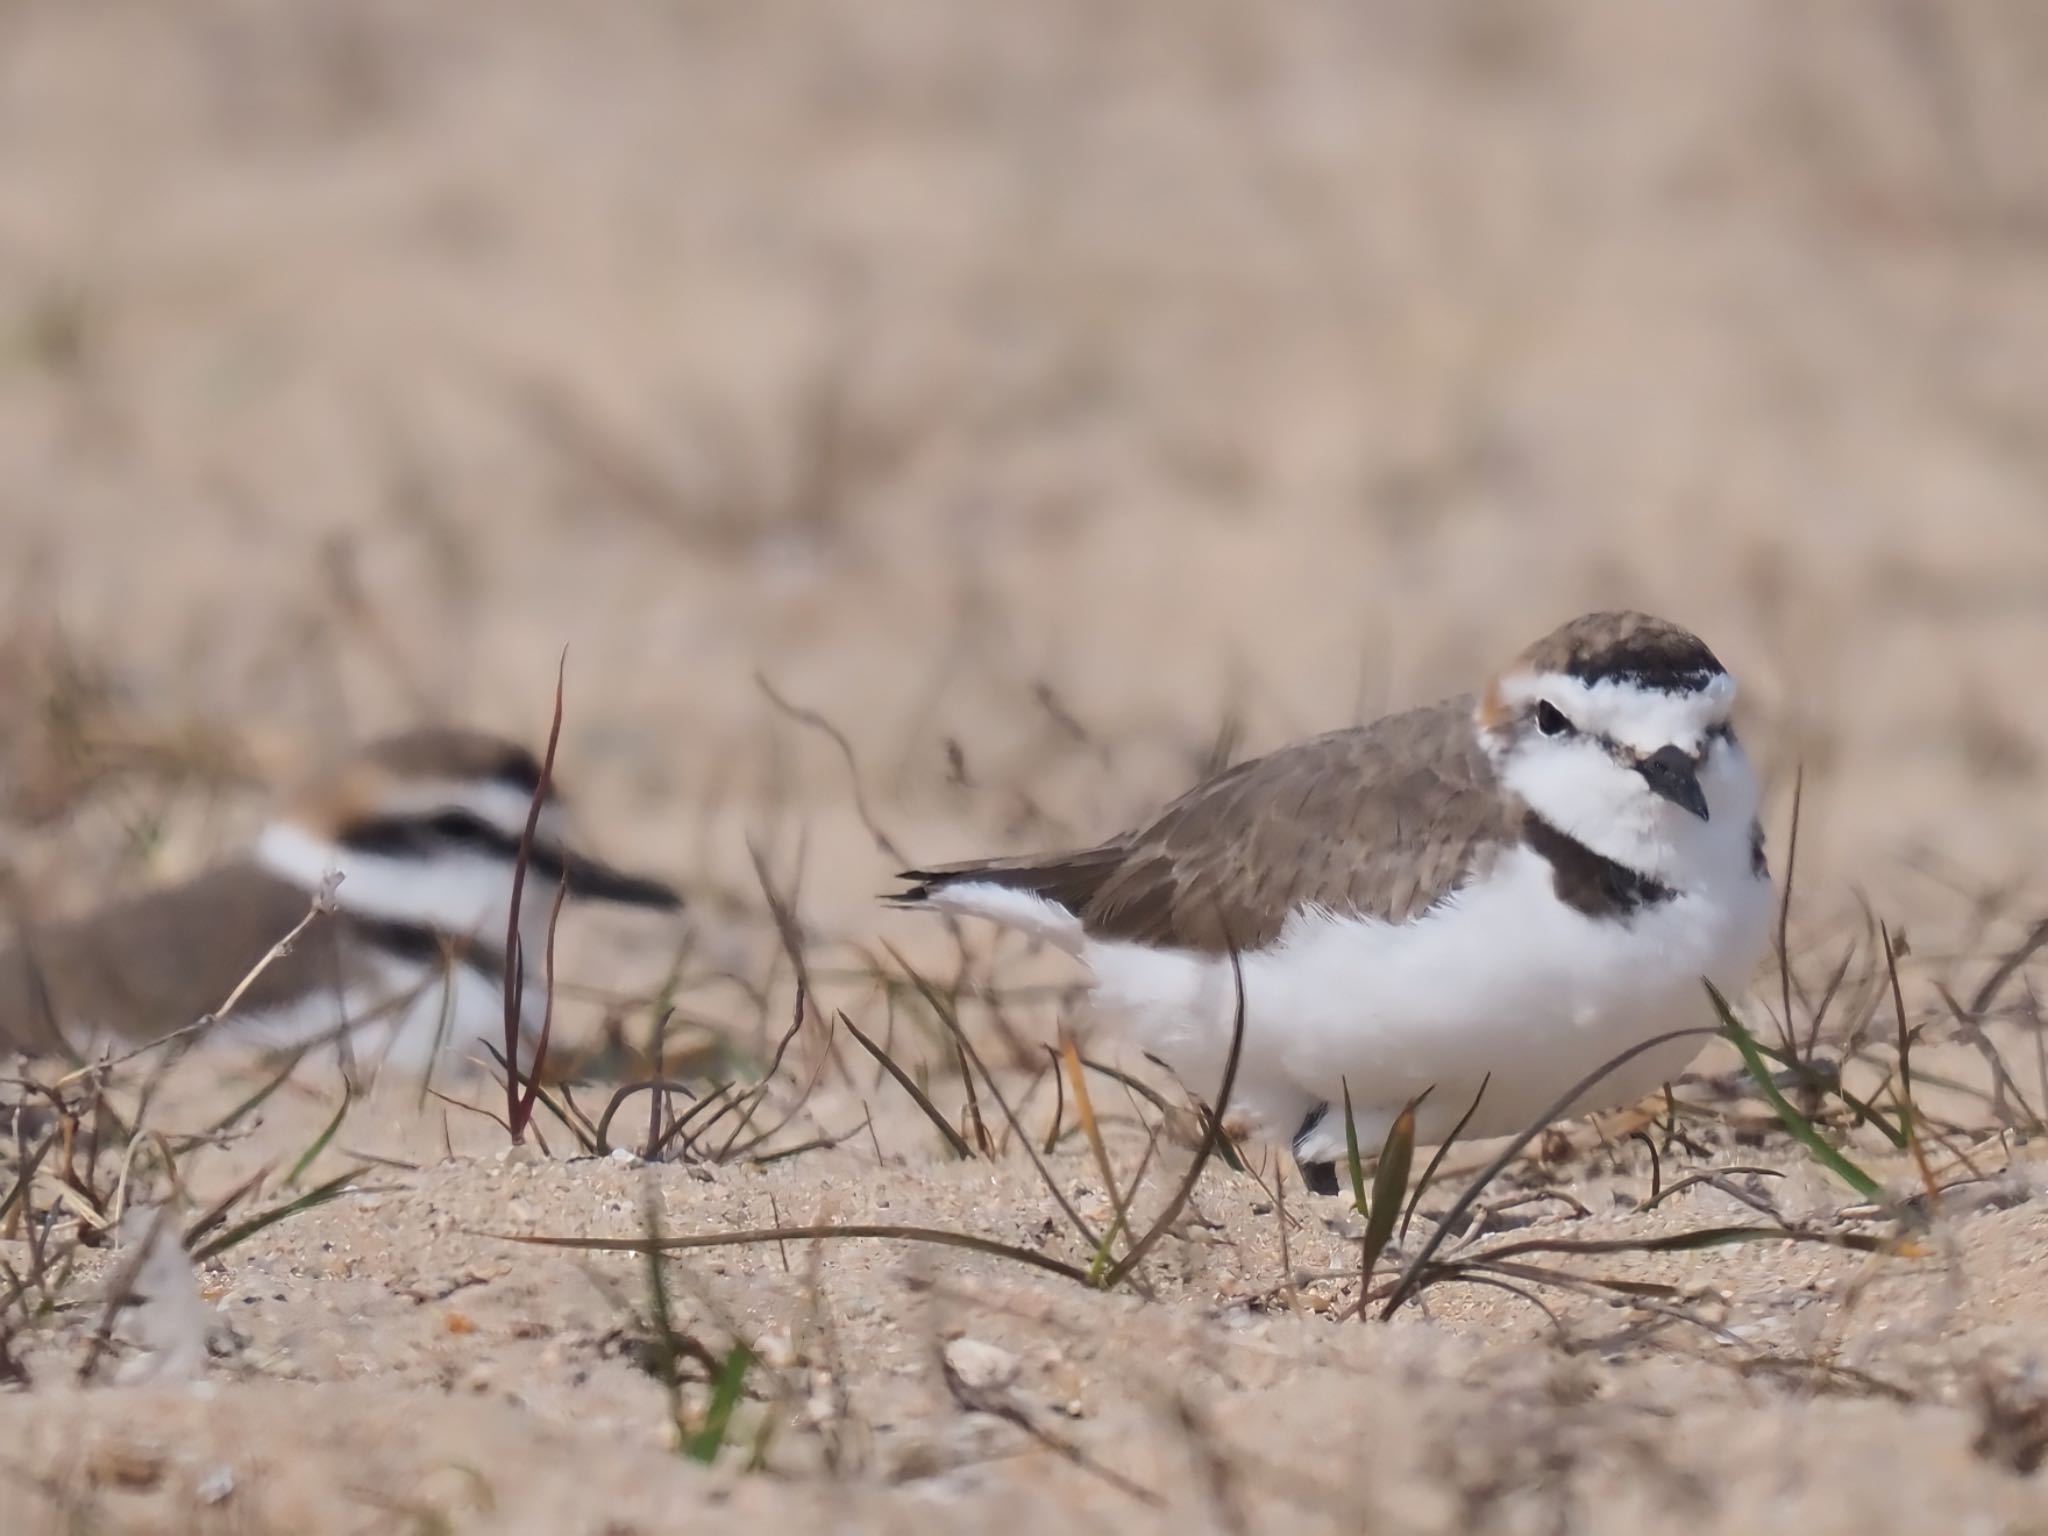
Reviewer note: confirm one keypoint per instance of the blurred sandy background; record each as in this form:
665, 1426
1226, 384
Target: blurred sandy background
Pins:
1199, 361
1050, 395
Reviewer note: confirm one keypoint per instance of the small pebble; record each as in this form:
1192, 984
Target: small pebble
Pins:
981, 1366
217, 1485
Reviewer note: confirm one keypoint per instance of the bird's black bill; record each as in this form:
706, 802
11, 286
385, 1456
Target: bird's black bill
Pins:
594, 880
1674, 775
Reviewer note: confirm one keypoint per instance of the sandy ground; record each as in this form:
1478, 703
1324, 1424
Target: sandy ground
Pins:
1046, 398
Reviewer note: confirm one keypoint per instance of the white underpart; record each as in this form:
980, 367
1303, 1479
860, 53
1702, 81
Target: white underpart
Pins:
412, 1018
450, 1007
1503, 978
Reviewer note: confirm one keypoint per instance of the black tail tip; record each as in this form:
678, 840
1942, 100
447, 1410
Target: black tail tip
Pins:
922, 883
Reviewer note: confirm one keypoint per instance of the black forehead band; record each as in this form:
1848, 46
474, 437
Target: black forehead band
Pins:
1653, 681
518, 770
428, 833
1657, 668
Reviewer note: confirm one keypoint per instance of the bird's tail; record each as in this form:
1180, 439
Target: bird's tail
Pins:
1044, 897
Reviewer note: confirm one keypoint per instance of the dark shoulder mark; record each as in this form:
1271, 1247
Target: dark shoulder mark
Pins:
1591, 882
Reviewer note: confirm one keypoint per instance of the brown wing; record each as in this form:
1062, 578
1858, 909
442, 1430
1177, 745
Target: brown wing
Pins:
157, 962
1384, 821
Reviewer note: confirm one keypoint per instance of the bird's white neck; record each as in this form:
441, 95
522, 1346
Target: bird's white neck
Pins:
1581, 791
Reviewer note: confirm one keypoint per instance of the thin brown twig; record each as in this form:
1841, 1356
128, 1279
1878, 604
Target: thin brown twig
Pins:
518, 1105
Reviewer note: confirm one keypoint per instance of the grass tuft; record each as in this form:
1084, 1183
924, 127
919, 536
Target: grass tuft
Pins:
1414, 1276
241, 1232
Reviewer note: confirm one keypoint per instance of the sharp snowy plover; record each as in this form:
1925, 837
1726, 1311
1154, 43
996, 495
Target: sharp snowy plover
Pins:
424, 828
1521, 883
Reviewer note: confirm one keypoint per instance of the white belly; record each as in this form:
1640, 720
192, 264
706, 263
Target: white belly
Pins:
414, 1018
1502, 981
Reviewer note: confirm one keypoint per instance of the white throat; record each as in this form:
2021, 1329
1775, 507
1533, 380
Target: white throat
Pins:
1585, 786
1579, 789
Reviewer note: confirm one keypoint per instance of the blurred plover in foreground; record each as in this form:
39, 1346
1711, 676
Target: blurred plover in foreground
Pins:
424, 829
1509, 888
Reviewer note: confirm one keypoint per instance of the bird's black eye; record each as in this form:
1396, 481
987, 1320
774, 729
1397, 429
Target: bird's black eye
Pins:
1550, 720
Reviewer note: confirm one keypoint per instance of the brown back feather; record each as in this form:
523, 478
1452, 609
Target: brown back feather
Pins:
1382, 821
156, 962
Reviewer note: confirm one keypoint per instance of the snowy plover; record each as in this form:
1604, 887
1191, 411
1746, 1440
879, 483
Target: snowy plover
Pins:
424, 828
1516, 885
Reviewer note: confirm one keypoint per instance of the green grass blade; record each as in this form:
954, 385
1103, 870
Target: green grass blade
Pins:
307, 1157
705, 1445
667, 1355
1802, 1129
1389, 1184
254, 1101
1866, 1113
320, 1194
1351, 1158
1443, 1150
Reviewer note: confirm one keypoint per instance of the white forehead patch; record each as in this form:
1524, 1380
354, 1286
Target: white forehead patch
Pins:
1643, 719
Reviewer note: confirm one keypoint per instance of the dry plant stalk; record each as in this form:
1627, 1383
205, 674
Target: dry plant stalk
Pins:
519, 1104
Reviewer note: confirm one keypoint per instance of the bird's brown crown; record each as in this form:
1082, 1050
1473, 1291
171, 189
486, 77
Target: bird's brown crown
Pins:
1623, 646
